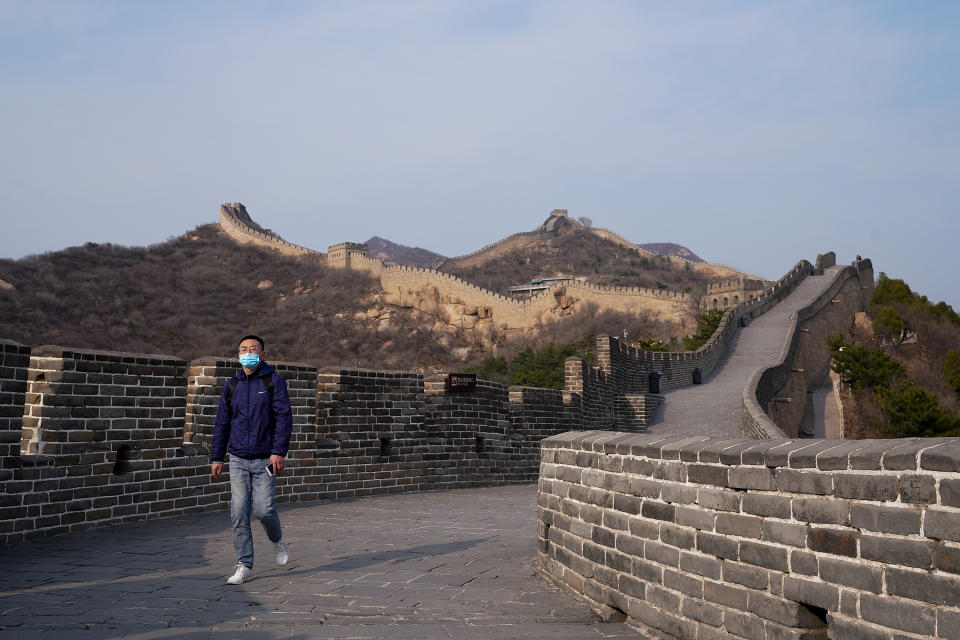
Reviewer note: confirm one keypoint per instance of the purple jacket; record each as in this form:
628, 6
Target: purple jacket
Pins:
250, 427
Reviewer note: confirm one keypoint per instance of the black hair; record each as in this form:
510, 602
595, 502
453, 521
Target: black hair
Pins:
252, 337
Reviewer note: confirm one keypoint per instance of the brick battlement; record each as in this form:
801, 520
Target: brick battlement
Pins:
96, 437
725, 538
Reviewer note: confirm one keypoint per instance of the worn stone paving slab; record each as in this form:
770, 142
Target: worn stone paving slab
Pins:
449, 564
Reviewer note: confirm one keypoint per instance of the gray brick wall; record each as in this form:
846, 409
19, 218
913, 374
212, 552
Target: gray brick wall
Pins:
725, 538
622, 374
94, 437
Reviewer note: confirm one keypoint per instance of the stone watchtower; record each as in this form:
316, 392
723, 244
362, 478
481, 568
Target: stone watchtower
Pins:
730, 293
340, 255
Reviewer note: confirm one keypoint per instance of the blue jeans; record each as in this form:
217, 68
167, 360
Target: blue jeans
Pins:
252, 489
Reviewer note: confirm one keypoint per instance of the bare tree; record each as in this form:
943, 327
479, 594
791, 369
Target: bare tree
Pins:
585, 221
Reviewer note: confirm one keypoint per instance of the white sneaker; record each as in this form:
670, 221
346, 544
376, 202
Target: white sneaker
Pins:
243, 572
283, 556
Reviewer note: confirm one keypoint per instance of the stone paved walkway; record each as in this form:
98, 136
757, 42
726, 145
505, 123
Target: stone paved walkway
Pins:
450, 564
713, 408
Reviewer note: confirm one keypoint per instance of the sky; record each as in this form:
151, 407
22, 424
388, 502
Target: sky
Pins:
753, 133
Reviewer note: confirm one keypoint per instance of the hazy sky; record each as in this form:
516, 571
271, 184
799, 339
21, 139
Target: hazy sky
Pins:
754, 133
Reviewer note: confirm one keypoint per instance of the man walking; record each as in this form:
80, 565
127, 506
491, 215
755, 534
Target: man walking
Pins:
253, 423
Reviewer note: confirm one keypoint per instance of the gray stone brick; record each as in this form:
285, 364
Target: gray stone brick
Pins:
821, 511
818, 594
732, 455
837, 458
910, 553
848, 603
670, 471
949, 492
726, 595
842, 628
711, 450
662, 553
804, 563
905, 457
671, 450
870, 456
638, 466
851, 574
719, 499
767, 505
841, 542
946, 557
745, 625
618, 561
645, 488
746, 575
615, 520
886, 519
943, 457
923, 586
686, 584
710, 474
631, 586
717, 545
865, 487
658, 511
763, 555
739, 525
917, 489
677, 536
590, 513
647, 571
696, 518
702, 612
807, 457
630, 544
644, 528
784, 612
791, 481
898, 614
784, 533
700, 565
948, 624
755, 455
779, 456
757, 478
679, 494
594, 552
627, 504
666, 600
941, 525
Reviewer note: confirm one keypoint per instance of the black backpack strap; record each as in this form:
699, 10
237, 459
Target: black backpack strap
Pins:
232, 385
268, 383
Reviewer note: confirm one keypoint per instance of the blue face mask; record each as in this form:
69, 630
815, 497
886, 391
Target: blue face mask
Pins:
249, 360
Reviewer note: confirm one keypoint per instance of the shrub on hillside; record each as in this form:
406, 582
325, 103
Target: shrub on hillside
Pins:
707, 323
951, 371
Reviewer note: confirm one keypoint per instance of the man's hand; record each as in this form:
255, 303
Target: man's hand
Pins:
277, 462
216, 468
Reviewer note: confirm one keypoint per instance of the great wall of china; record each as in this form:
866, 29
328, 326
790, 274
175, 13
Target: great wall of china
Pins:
756, 536
467, 306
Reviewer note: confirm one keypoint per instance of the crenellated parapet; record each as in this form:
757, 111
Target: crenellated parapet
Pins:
703, 537
92, 438
773, 402
237, 223
626, 370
